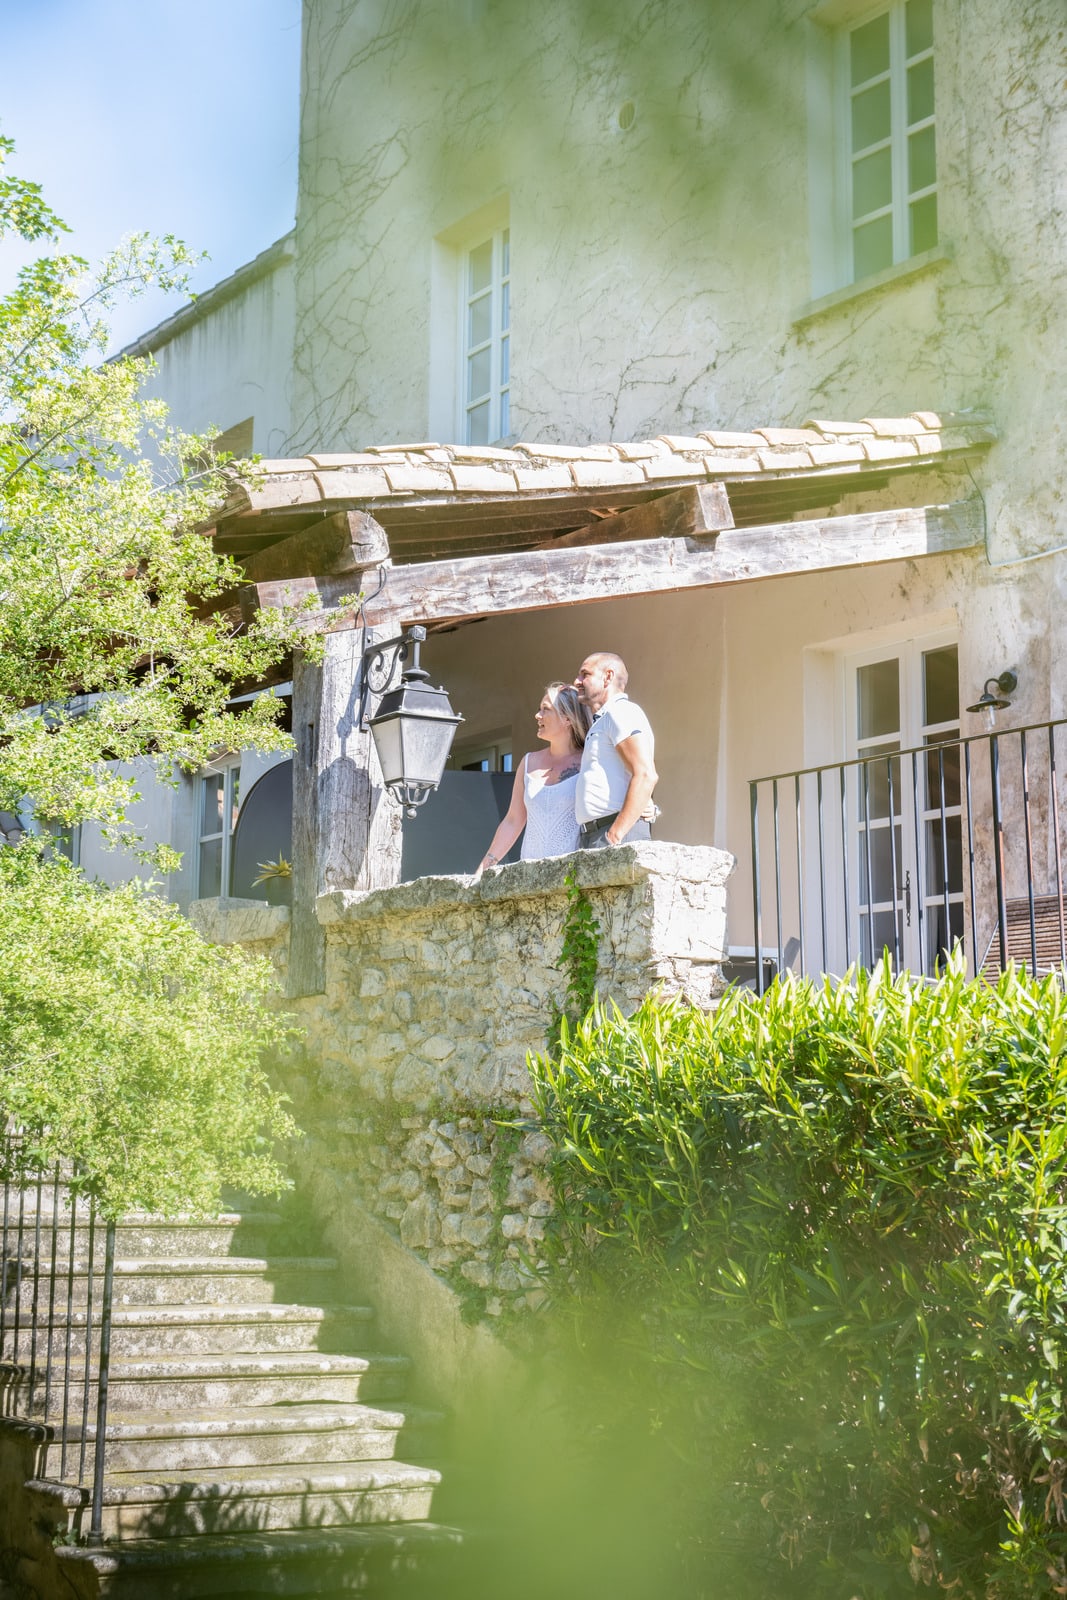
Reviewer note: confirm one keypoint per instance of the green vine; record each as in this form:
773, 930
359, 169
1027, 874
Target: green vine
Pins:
578, 956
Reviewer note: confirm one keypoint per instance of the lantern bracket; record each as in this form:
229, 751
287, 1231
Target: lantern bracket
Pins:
379, 666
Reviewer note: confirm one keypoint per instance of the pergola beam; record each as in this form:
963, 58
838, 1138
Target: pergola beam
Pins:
542, 580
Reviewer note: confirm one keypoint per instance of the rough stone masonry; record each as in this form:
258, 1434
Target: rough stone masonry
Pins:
412, 1086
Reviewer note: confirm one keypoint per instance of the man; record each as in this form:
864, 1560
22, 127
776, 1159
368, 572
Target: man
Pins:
618, 772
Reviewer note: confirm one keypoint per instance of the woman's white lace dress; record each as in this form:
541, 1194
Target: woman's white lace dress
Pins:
551, 829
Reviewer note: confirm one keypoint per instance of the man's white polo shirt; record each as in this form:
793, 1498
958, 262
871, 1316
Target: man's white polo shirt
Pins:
604, 777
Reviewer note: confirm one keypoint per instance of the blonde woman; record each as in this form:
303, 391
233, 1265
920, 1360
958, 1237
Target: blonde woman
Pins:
542, 799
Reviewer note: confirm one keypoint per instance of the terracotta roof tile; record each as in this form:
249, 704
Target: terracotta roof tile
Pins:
777, 460
569, 452
429, 469
359, 458
643, 450
529, 476
790, 435
894, 427
358, 483
681, 441
734, 441
889, 449
408, 479
826, 455
844, 429
488, 480
673, 467
591, 474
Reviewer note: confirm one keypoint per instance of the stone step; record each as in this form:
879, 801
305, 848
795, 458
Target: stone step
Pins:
264, 1435
201, 1280
173, 1504
184, 1382
231, 1233
410, 1562
198, 1329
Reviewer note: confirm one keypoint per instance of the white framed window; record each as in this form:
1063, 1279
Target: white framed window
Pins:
490, 754
485, 340
217, 801
885, 137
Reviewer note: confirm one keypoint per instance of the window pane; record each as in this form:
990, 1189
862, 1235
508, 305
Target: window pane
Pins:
919, 25
942, 776
941, 685
886, 928
884, 843
478, 370
235, 797
878, 699
506, 253
872, 247
505, 416
922, 165
211, 810
920, 90
505, 307
505, 360
870, 49
874, 781
480, 320
210, 882
923, 224
481, 267
944, 856
872, 182
870, 116
478, 424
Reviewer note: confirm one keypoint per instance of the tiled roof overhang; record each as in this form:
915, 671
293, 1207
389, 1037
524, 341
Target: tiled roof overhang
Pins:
455, 500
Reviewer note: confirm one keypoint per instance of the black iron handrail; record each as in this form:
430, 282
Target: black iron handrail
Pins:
1005, 851
45, 1380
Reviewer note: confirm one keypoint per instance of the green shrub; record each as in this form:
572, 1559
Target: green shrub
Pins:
824, 1235
131, 1046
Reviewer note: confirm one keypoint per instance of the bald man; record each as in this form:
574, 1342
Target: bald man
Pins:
618, 770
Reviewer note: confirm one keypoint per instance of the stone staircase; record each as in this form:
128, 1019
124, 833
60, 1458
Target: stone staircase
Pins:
253, 1435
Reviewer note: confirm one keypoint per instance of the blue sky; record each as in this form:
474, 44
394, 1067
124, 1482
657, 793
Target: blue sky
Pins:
171, 116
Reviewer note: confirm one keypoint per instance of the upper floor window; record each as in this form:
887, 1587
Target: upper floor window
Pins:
485, 370
888, 155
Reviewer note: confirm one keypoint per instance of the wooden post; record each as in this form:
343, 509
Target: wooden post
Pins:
346, 827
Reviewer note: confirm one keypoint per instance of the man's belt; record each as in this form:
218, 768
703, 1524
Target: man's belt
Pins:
597, 824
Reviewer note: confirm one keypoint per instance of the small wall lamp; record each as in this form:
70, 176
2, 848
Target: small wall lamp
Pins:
994, 691
414, 725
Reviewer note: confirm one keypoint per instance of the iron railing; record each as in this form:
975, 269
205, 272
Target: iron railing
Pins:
956, 842
57, 1261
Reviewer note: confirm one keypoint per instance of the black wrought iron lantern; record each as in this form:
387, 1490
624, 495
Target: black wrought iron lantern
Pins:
414, 724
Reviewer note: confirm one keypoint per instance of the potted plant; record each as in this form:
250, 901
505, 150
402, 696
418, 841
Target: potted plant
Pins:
277, 880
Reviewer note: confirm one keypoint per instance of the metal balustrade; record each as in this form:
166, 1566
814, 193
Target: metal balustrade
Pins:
956, 842
57, 1260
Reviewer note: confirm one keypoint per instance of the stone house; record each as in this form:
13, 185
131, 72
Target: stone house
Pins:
600, 255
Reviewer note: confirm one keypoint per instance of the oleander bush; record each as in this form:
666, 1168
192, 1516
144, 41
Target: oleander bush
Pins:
816, 1244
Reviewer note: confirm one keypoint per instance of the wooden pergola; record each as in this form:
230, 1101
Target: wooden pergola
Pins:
442, 535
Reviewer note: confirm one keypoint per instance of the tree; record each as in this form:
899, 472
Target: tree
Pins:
107, 647
127, 1044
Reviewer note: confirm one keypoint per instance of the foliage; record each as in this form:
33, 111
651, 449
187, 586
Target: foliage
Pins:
827, 1231
578, 953
108, 651
129, 1045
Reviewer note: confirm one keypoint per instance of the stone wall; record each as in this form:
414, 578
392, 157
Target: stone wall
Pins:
412, 1087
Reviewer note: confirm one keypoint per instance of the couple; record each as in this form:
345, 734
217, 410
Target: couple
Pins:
592, 786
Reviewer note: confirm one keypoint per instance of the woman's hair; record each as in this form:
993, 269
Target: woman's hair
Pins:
564, 697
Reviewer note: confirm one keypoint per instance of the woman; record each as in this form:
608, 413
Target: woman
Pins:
542, 799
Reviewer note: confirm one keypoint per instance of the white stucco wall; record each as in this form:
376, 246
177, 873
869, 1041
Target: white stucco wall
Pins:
658, 273
232, 359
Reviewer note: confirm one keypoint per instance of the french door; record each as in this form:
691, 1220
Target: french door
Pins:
906, 801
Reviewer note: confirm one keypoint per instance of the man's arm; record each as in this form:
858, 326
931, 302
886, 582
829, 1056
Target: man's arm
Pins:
636, 754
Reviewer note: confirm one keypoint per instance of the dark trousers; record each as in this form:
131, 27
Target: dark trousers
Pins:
599, 841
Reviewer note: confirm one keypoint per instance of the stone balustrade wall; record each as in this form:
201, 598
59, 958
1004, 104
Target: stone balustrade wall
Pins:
412, 1085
